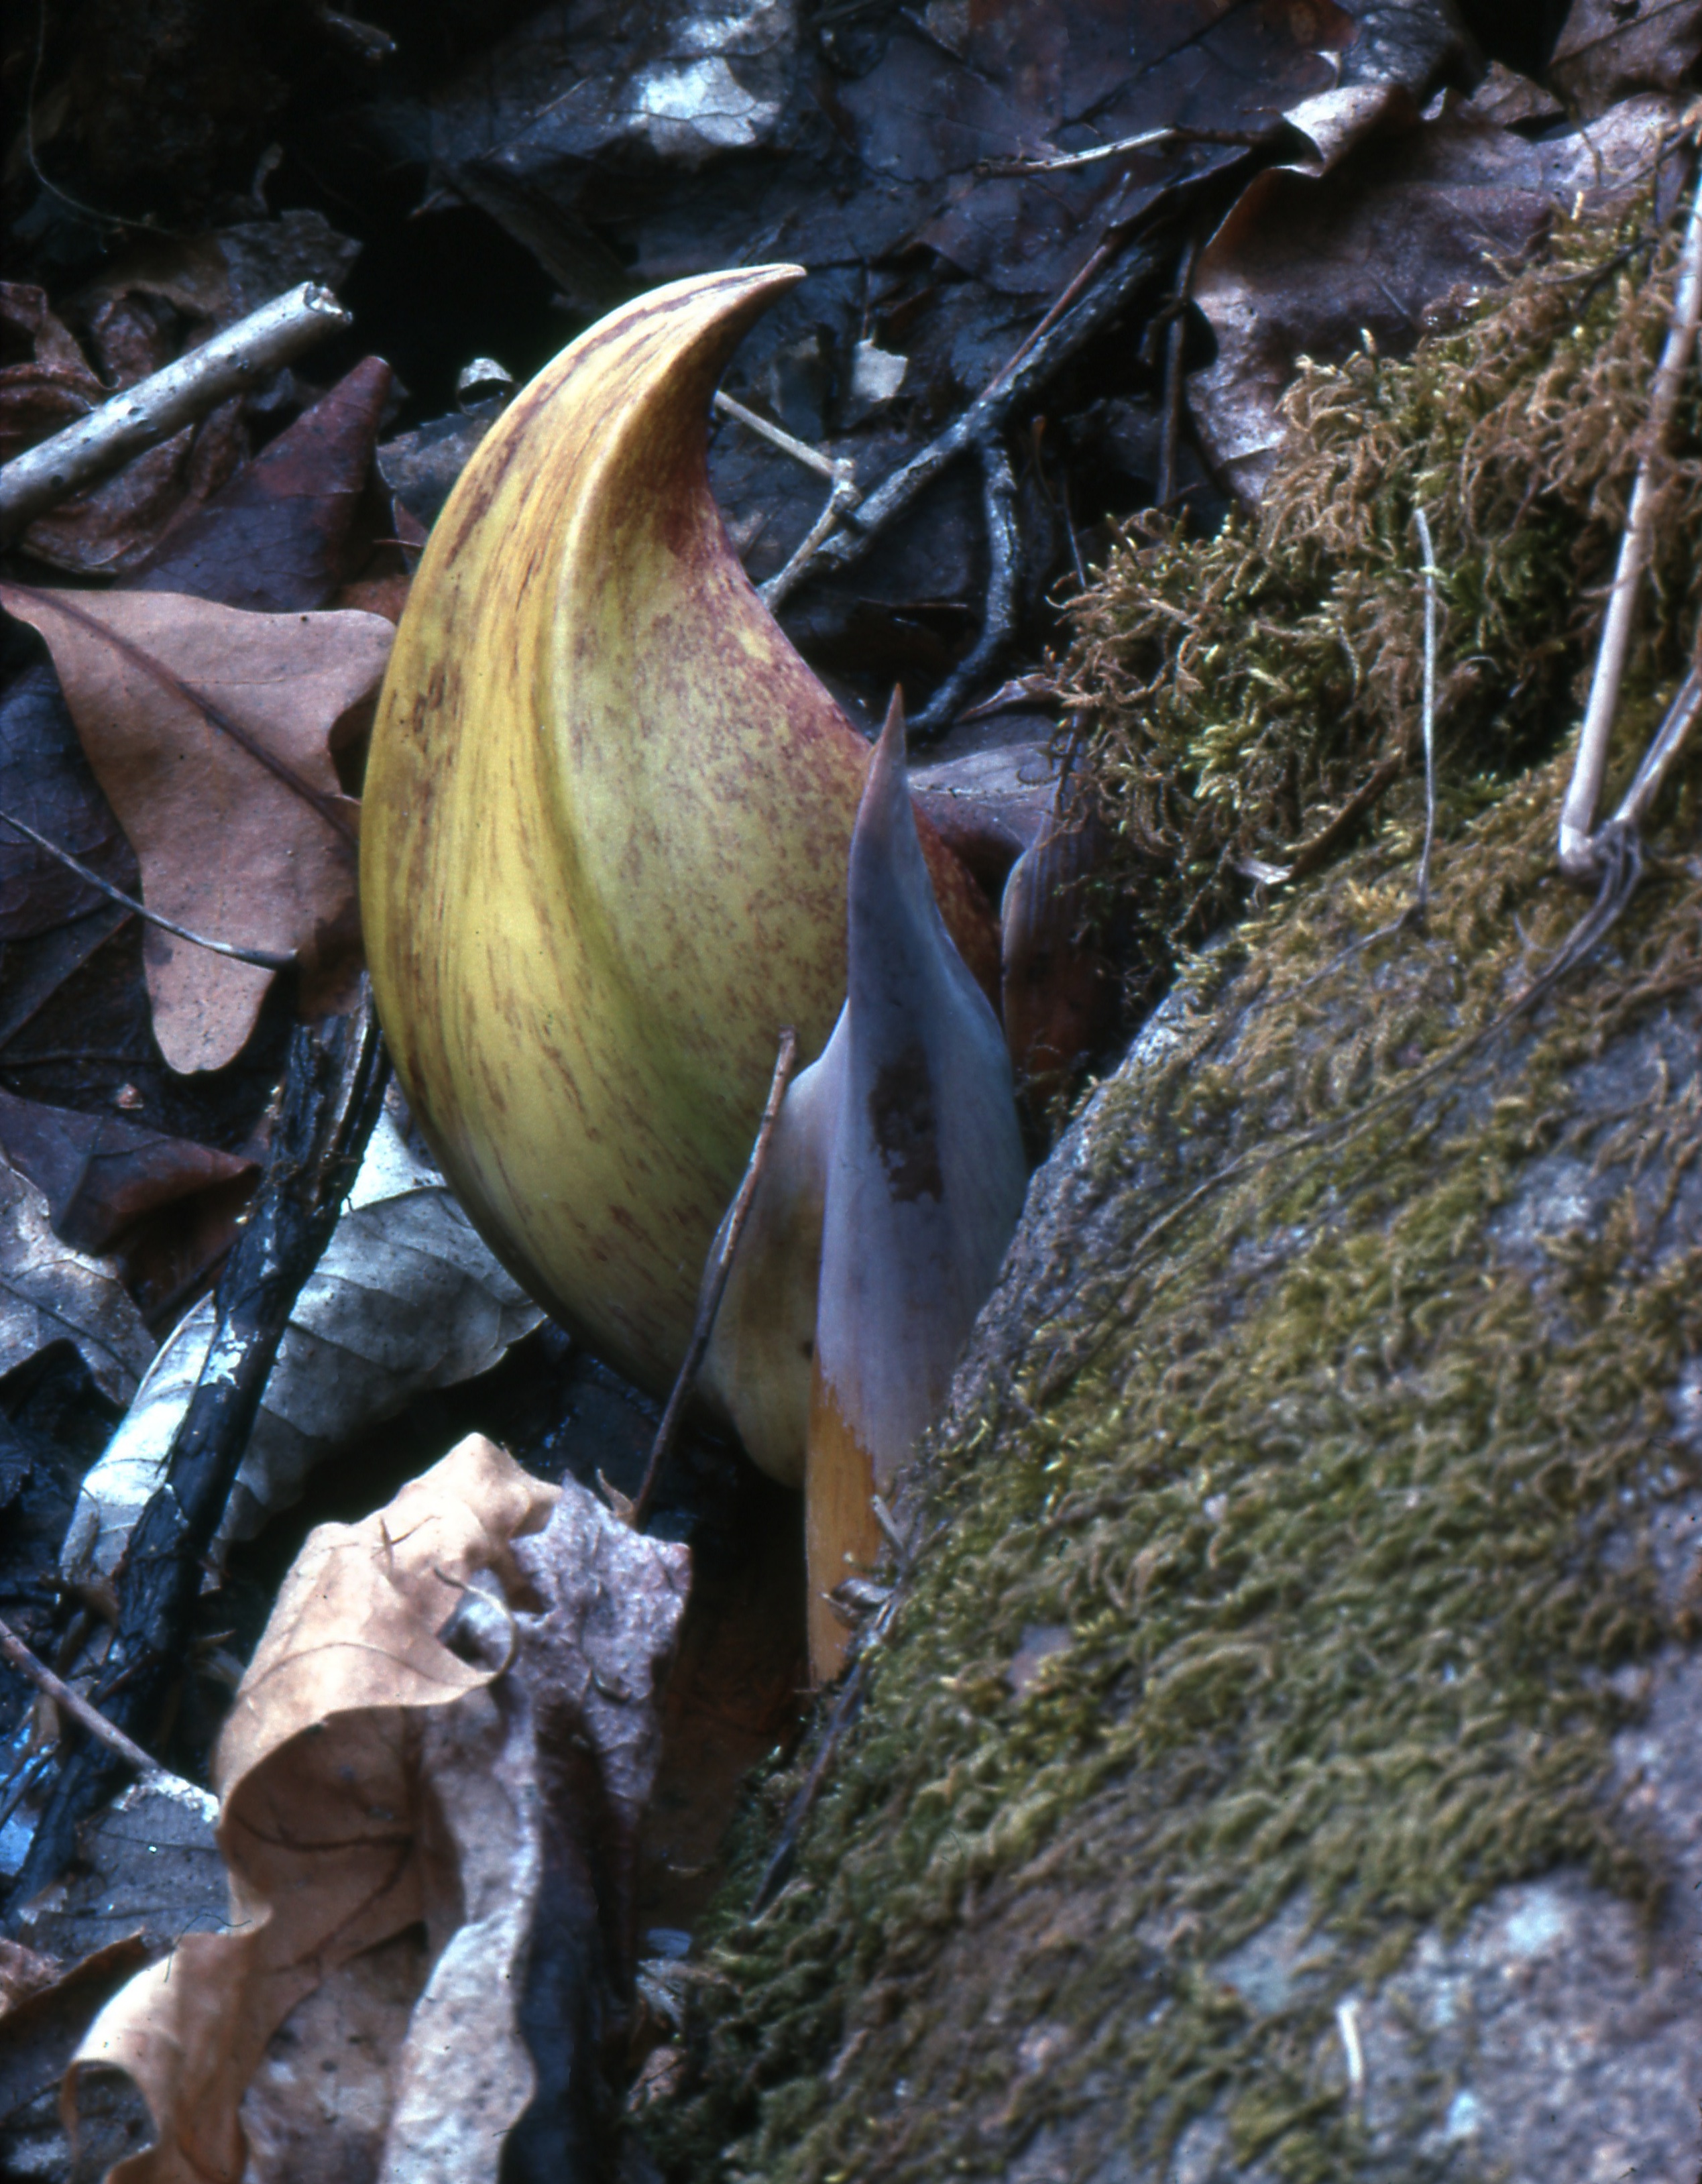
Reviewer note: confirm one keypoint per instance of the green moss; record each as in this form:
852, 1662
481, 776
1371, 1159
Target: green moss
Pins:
1341, 1495
1345, 1513
1236, 693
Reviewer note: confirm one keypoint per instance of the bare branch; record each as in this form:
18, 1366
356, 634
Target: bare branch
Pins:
17, 1655
242, 358
1578, 850
1004, 565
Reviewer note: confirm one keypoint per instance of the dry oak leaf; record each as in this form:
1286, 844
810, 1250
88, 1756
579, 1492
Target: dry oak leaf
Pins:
330, 1867
211, 730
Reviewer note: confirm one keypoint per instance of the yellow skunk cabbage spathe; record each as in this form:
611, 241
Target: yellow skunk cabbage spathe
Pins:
607, 819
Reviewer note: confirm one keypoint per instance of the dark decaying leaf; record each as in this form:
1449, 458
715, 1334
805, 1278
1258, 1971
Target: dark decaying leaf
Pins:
49, 1291
1310, 266
108, 529
210, 280
1061, 997
102, 1174
1608, 50
988, 790
283, 534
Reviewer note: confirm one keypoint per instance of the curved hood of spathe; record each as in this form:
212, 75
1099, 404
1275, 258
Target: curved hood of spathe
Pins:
606, 832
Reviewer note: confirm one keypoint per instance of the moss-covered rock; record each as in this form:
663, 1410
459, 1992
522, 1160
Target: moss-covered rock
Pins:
1292, 1552
1299, 1618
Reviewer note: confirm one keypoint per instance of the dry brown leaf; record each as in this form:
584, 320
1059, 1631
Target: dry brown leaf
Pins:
388, 1824
210, 731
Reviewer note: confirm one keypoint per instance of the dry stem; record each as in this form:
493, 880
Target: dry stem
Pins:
720, 1266
242, 358
17, 1655
260, 957
1578, 849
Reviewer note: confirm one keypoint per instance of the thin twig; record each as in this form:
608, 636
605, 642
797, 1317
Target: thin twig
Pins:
1014, 383
1004, 569
833, 467
1060, 163
1577, 848
1083, 278
1316, 849
17, 1655
846, 1707
1422, 891
259, 957
240, 360
1175, 342
720, 1266
839, 501
1669, 736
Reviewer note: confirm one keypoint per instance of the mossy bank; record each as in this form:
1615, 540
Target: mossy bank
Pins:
1294, 1549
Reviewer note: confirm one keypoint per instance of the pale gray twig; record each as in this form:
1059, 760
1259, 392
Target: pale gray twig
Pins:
1578, 849
1058, 163
834, 467
242, 358
1423, 522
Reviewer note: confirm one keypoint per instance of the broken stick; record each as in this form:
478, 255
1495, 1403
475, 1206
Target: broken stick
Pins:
238, 361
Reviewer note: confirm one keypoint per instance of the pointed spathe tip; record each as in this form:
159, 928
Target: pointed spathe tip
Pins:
887, 783
894, 735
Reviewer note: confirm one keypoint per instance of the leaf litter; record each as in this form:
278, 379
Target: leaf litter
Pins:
449, 1725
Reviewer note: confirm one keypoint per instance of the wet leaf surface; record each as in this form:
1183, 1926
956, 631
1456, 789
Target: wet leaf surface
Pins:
1606, 52
101, 1174
285, 533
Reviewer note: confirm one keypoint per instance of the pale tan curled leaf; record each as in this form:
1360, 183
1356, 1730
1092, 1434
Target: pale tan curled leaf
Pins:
316, 1773
356, 1622
387, 1804
211, 731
